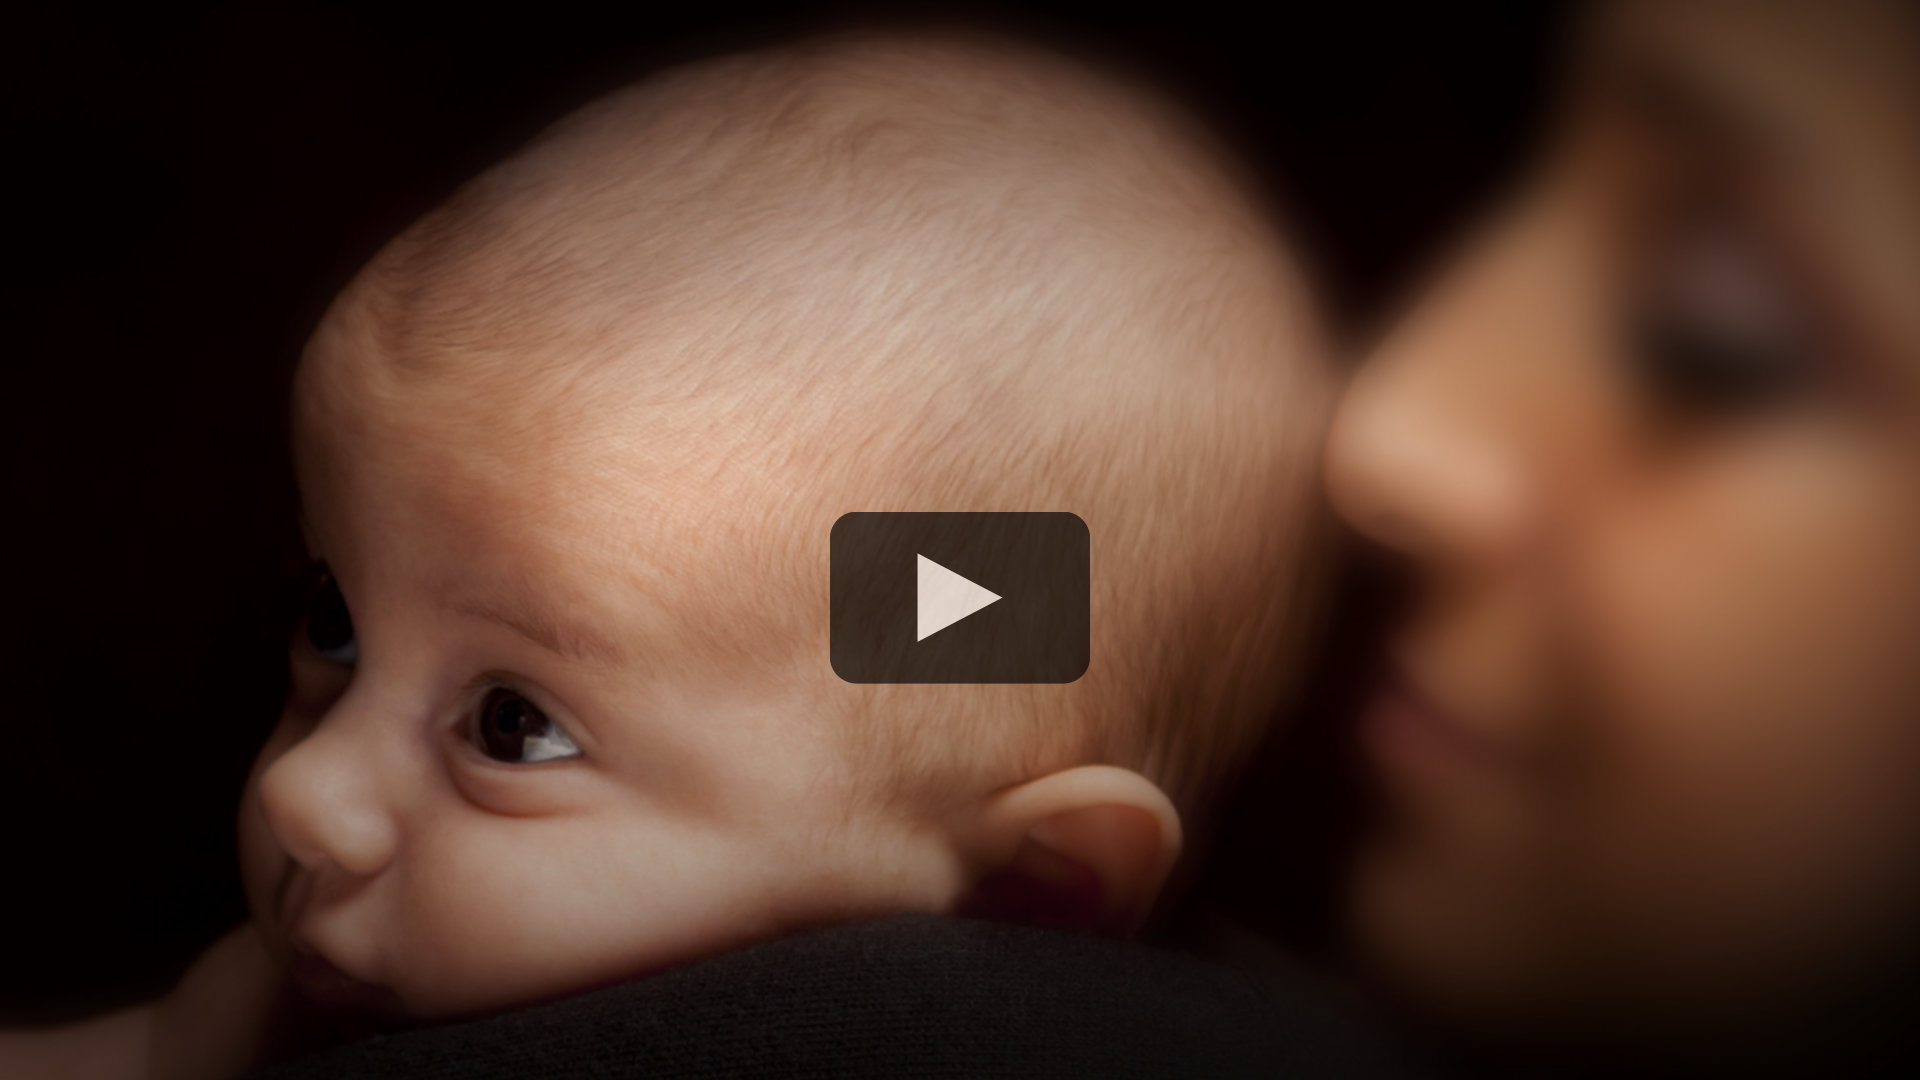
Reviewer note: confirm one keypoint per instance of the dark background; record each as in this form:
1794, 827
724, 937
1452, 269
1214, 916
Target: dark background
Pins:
190, 189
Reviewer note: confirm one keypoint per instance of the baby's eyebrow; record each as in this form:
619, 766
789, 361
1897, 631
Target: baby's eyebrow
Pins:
539, 625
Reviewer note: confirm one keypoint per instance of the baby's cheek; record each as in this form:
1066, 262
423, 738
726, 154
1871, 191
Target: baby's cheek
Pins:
499, 911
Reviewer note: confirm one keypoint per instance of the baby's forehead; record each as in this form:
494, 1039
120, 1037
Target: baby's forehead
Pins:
577, 513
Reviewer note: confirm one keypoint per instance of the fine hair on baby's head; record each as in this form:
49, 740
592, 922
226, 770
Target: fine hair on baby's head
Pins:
572, 447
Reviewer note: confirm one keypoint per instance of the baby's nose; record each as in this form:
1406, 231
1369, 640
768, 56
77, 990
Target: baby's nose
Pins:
322, 802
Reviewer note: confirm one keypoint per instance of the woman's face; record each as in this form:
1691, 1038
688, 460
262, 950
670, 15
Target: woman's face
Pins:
1652, 450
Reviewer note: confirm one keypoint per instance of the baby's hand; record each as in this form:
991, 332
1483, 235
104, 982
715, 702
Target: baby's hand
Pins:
114, 1045
232, 1012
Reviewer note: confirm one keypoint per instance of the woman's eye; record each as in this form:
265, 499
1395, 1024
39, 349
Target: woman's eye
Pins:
508, 727
329, 627
1718, 329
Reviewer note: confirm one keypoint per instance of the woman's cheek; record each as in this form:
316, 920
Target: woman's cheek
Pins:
1751, 618
1763, 595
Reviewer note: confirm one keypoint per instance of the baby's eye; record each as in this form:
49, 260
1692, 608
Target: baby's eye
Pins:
508, 727
1719, 330
329, 627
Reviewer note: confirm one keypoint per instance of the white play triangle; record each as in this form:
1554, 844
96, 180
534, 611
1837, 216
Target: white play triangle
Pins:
944, 597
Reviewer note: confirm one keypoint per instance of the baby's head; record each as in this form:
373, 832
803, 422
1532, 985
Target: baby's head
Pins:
572, 447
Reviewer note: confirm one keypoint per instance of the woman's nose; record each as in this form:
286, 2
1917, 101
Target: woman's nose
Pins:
322, 802
1426, 473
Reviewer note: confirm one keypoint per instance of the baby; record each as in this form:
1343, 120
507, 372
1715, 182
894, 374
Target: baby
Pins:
570, 450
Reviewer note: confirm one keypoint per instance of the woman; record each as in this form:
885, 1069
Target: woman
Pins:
1648, 741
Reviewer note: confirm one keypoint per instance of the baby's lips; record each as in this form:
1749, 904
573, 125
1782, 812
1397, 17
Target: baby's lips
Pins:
325, 984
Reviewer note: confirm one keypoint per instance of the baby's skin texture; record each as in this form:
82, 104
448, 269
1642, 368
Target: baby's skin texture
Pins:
570, 450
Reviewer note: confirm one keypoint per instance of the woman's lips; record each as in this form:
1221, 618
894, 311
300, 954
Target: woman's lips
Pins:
1407, 734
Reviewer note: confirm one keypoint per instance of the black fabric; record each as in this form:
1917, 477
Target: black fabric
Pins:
903, 997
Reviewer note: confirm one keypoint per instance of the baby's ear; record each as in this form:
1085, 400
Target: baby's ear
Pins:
1087, 848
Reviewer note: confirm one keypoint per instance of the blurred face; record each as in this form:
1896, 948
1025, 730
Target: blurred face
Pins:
1651, 449
536, 739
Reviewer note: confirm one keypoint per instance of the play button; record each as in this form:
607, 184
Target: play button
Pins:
943, 597
960, 597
